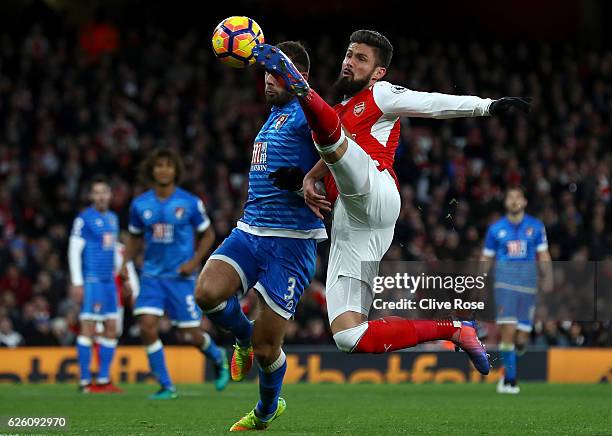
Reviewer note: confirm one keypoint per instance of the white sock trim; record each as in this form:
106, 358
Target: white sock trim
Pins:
327, 149
206, 342
218, 308
84, 341
280, 361
347, 340
155, 346
107, 342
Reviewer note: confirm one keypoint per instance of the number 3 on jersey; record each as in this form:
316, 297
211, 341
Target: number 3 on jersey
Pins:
290, 292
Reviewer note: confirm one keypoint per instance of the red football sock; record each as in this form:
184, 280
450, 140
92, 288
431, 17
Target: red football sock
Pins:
322, 119
394, 333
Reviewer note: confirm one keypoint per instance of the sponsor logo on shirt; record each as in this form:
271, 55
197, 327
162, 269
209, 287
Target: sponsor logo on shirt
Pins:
396, 89
281, 120
516, 248
359, 108
108, 240
163, 233
259, 162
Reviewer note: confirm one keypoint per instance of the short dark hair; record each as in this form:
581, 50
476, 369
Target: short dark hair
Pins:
382, 46
146, 167
515, 188
297, 53
98, 178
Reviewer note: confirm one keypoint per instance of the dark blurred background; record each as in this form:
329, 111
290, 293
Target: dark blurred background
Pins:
91, 86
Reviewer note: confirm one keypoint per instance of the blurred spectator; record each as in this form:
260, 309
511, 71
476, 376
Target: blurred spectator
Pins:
15, 282
550, 335
9, 337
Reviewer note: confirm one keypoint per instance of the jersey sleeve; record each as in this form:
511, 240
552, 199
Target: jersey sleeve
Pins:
541, 240
199, 219
76, 244
78, 227
403, 102
135, 225
490, 245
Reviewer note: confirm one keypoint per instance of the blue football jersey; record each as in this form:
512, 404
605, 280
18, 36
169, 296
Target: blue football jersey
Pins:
284, 140
100, 232
515, 248
169, 227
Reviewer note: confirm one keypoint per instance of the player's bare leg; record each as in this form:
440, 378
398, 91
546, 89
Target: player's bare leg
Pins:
507, 348
268, 335
207, 346
521, 341
215, 293
149, 332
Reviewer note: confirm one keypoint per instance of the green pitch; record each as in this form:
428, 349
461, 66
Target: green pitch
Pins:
323, 409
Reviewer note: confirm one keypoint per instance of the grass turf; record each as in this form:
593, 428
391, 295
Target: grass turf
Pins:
323, 409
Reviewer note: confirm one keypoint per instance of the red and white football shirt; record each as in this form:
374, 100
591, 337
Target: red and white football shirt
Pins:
372, 117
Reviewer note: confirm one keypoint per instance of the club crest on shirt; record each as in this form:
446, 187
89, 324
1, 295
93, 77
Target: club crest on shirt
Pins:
529, 231
359, 108
281, 121
179, 212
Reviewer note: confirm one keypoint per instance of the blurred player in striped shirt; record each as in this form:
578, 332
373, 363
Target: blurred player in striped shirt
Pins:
172, 228
517, 242
94, 255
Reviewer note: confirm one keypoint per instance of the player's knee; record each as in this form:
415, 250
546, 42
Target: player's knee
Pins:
148, 332
265, 353
347, 340
110, 332
206, 296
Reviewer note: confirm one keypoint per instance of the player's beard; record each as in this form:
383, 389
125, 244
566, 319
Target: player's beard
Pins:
348, 87
281, 98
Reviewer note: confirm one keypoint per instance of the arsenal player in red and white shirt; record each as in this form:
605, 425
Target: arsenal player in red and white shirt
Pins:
357, 141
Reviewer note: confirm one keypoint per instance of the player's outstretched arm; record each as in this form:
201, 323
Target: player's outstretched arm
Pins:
400, 101
504, 104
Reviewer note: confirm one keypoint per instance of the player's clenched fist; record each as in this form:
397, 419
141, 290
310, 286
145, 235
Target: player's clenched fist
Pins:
314, 199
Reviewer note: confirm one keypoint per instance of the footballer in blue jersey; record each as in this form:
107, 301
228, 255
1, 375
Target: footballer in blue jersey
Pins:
273, 249
93, 258
517, 242
177, 235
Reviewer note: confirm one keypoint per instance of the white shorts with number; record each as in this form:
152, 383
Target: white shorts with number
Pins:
362, 230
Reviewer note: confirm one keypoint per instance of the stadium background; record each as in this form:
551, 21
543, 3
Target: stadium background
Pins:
87, 90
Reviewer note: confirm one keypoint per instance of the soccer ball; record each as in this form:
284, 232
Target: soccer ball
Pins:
233, 41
